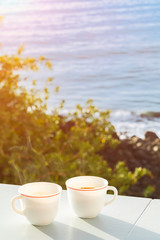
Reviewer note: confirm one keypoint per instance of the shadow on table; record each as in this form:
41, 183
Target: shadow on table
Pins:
60, 231
143, 234
120, 229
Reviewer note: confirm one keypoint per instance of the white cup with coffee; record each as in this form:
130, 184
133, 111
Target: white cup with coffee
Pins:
87, 195
39, 202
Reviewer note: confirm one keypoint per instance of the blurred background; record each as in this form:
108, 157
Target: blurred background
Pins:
106, 50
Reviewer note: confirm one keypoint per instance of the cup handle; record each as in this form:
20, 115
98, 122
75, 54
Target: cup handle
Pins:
114, 196
13, 205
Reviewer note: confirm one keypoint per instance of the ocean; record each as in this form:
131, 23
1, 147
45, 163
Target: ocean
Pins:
105, 50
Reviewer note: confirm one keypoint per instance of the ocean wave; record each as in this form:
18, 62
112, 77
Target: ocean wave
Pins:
129, 123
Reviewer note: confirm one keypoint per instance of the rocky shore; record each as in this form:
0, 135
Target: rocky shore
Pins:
137, 152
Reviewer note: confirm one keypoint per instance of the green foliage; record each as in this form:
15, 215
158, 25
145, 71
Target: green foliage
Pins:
149, 190
123, 178
36, 146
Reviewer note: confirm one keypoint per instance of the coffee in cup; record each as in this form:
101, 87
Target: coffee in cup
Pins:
87, 194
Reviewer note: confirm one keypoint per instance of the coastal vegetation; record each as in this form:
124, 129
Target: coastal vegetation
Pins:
37, 146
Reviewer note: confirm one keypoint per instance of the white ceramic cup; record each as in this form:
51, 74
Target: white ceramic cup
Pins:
39, 202
87, 194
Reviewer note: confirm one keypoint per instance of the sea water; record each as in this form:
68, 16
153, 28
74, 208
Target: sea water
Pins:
106, 50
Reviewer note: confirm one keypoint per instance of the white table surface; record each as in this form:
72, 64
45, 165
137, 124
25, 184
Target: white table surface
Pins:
125, 218
148, 225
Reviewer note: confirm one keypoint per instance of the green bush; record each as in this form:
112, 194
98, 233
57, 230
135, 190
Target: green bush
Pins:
36, 146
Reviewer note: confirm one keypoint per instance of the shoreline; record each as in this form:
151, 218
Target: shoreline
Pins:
129, 123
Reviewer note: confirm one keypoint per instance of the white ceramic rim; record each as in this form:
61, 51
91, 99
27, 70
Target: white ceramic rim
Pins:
85, 190
45, 196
